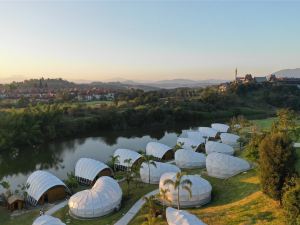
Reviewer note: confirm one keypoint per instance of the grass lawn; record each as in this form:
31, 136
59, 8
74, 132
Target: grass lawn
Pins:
28, 218
234, 201
136, 194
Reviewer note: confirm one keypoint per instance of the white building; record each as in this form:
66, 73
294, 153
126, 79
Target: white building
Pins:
156, 171
181, 217
159, 151
104, 198
212, 146
201, 191
189, 159
89, 170
224, 166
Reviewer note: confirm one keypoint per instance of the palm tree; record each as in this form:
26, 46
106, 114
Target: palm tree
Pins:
114, 160
128, 174
151, 206
148, 159
163, 195
180, 183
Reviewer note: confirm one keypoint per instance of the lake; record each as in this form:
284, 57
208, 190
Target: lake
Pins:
60, 157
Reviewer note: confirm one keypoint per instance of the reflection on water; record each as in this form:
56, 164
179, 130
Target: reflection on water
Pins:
60, 157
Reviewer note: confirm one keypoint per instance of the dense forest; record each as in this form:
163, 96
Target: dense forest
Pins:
34, 125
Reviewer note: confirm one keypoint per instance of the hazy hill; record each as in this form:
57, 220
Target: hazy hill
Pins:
288, 73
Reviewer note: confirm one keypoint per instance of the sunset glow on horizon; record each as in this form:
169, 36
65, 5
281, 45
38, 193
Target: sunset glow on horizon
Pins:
147, 40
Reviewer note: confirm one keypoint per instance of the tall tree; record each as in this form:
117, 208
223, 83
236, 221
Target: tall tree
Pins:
277, 163
180, 183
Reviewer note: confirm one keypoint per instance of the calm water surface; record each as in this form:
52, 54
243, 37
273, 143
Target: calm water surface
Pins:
60, 158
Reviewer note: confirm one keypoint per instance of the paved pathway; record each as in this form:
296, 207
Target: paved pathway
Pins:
134, 209
297, 145
56, 208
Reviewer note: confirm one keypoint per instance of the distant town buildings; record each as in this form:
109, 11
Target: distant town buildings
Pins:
248, 78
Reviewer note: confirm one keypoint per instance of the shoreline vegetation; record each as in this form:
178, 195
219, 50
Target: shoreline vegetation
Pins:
32, 126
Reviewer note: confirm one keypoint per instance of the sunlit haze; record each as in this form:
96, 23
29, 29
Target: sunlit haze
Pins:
147, 40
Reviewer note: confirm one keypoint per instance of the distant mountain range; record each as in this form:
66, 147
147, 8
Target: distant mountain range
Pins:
175, 83
288, 73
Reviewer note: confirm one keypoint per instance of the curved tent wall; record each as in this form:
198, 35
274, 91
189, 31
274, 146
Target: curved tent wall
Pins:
196, 135
201, 191
159, 151
88, 170
44, 186
229, 139
188, 143
208, 132
181, 217
220, 127
212, 146
125, 154
47, 220
104, 198
225, 166
156, 171
189, 159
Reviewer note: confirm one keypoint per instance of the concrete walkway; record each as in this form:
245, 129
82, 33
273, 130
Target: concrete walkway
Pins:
134, 209
57, 207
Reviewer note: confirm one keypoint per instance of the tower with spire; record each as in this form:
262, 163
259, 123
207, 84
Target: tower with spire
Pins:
235, 75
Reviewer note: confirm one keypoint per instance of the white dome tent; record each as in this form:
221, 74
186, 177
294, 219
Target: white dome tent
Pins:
224, 166
220, 127
88, 170
125, 154
188, 143
181, 217
212, 146
104, 197
159, 151
229, 139
185, 158
44, 186
201, 191
47, 220
208, 132
196, 135
156, 172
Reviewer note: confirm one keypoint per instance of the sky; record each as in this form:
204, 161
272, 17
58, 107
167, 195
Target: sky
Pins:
147, 40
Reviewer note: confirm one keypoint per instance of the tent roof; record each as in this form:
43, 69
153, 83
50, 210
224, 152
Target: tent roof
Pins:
89, 168
223, 166
185, 158
188, 143
220, 127
41, 181
105, 195
208, 131
127, 154
196, 135
14, 198
156, 149
47, 220
212, 146
228, 138
181, 217
156, 172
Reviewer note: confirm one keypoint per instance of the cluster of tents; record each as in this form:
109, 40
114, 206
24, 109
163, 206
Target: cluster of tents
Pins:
209, 147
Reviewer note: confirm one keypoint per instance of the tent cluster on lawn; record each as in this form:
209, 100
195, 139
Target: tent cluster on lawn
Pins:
210, 147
